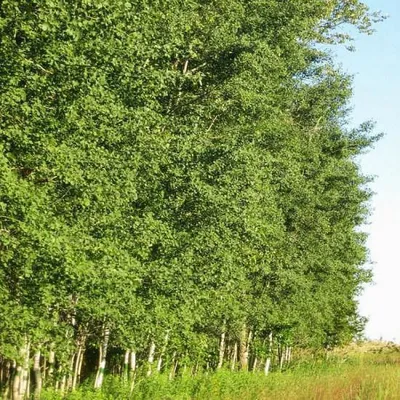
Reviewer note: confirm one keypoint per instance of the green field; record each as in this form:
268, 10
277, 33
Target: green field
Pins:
368, 375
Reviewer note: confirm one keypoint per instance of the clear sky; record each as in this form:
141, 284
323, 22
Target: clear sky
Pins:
376, 66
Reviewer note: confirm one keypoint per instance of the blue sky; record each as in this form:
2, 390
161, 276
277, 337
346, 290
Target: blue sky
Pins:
376, 66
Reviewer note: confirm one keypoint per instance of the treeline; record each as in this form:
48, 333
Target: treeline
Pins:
179, 189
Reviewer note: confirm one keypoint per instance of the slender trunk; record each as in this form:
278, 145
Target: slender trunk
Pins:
38, 375
267, 365
76, 368
255, 364
24, 380
244, 349
44, 368
173, 367
62, 384
102, 358
287, 354
269, 352
17, 383
151, 357
125, 366
7, 381
228, 350
71, 371
195, 368
98, 364
249, 338
159, 363
234, 357
52, 357
80, 366
184, 368
132, 369
27, 394
222, 346
132, 364
281, 356
289, 359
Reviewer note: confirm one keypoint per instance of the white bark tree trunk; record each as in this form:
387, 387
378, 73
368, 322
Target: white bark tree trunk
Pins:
234, 357
38, 375
159, 363
222, 347
80, 366
77, 366
269, 353
102, 358
7, 380
289, 358
52, 357
173, 367
267, 365
281, 356
24, 381
125, 366
62, 384
255, 364
132, 364
132, 368
244, 348
17, 383
151, 357
71, 371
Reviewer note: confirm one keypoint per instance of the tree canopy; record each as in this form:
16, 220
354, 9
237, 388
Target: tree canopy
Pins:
178, 178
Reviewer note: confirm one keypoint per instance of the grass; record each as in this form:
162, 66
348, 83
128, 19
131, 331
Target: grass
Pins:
366, 376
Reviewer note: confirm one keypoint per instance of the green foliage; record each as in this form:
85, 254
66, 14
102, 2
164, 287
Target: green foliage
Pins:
182, 168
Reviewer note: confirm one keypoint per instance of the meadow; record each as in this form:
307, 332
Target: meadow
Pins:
371, 373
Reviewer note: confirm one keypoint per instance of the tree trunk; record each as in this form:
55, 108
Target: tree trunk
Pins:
38, 375
234, 356
132, 369
7, 380
281, 356
269, 352
222, 346
71, 371
151, 357
80, 366
255, 364
287, 355
195, 369
52, 357
62, 384
102, 358
173, 367
244, 348
159, 363
24, 376
132, 365
267, 365
17, 383
77, 366
125, 366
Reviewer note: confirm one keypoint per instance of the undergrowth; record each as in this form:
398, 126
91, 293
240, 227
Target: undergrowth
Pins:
369, 377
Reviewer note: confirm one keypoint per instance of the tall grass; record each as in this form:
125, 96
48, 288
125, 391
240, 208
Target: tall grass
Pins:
369, 377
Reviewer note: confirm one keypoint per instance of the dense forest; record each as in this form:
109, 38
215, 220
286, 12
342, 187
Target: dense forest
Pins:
179, 187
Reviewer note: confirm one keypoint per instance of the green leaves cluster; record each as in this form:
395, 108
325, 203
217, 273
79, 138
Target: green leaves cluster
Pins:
171, 165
